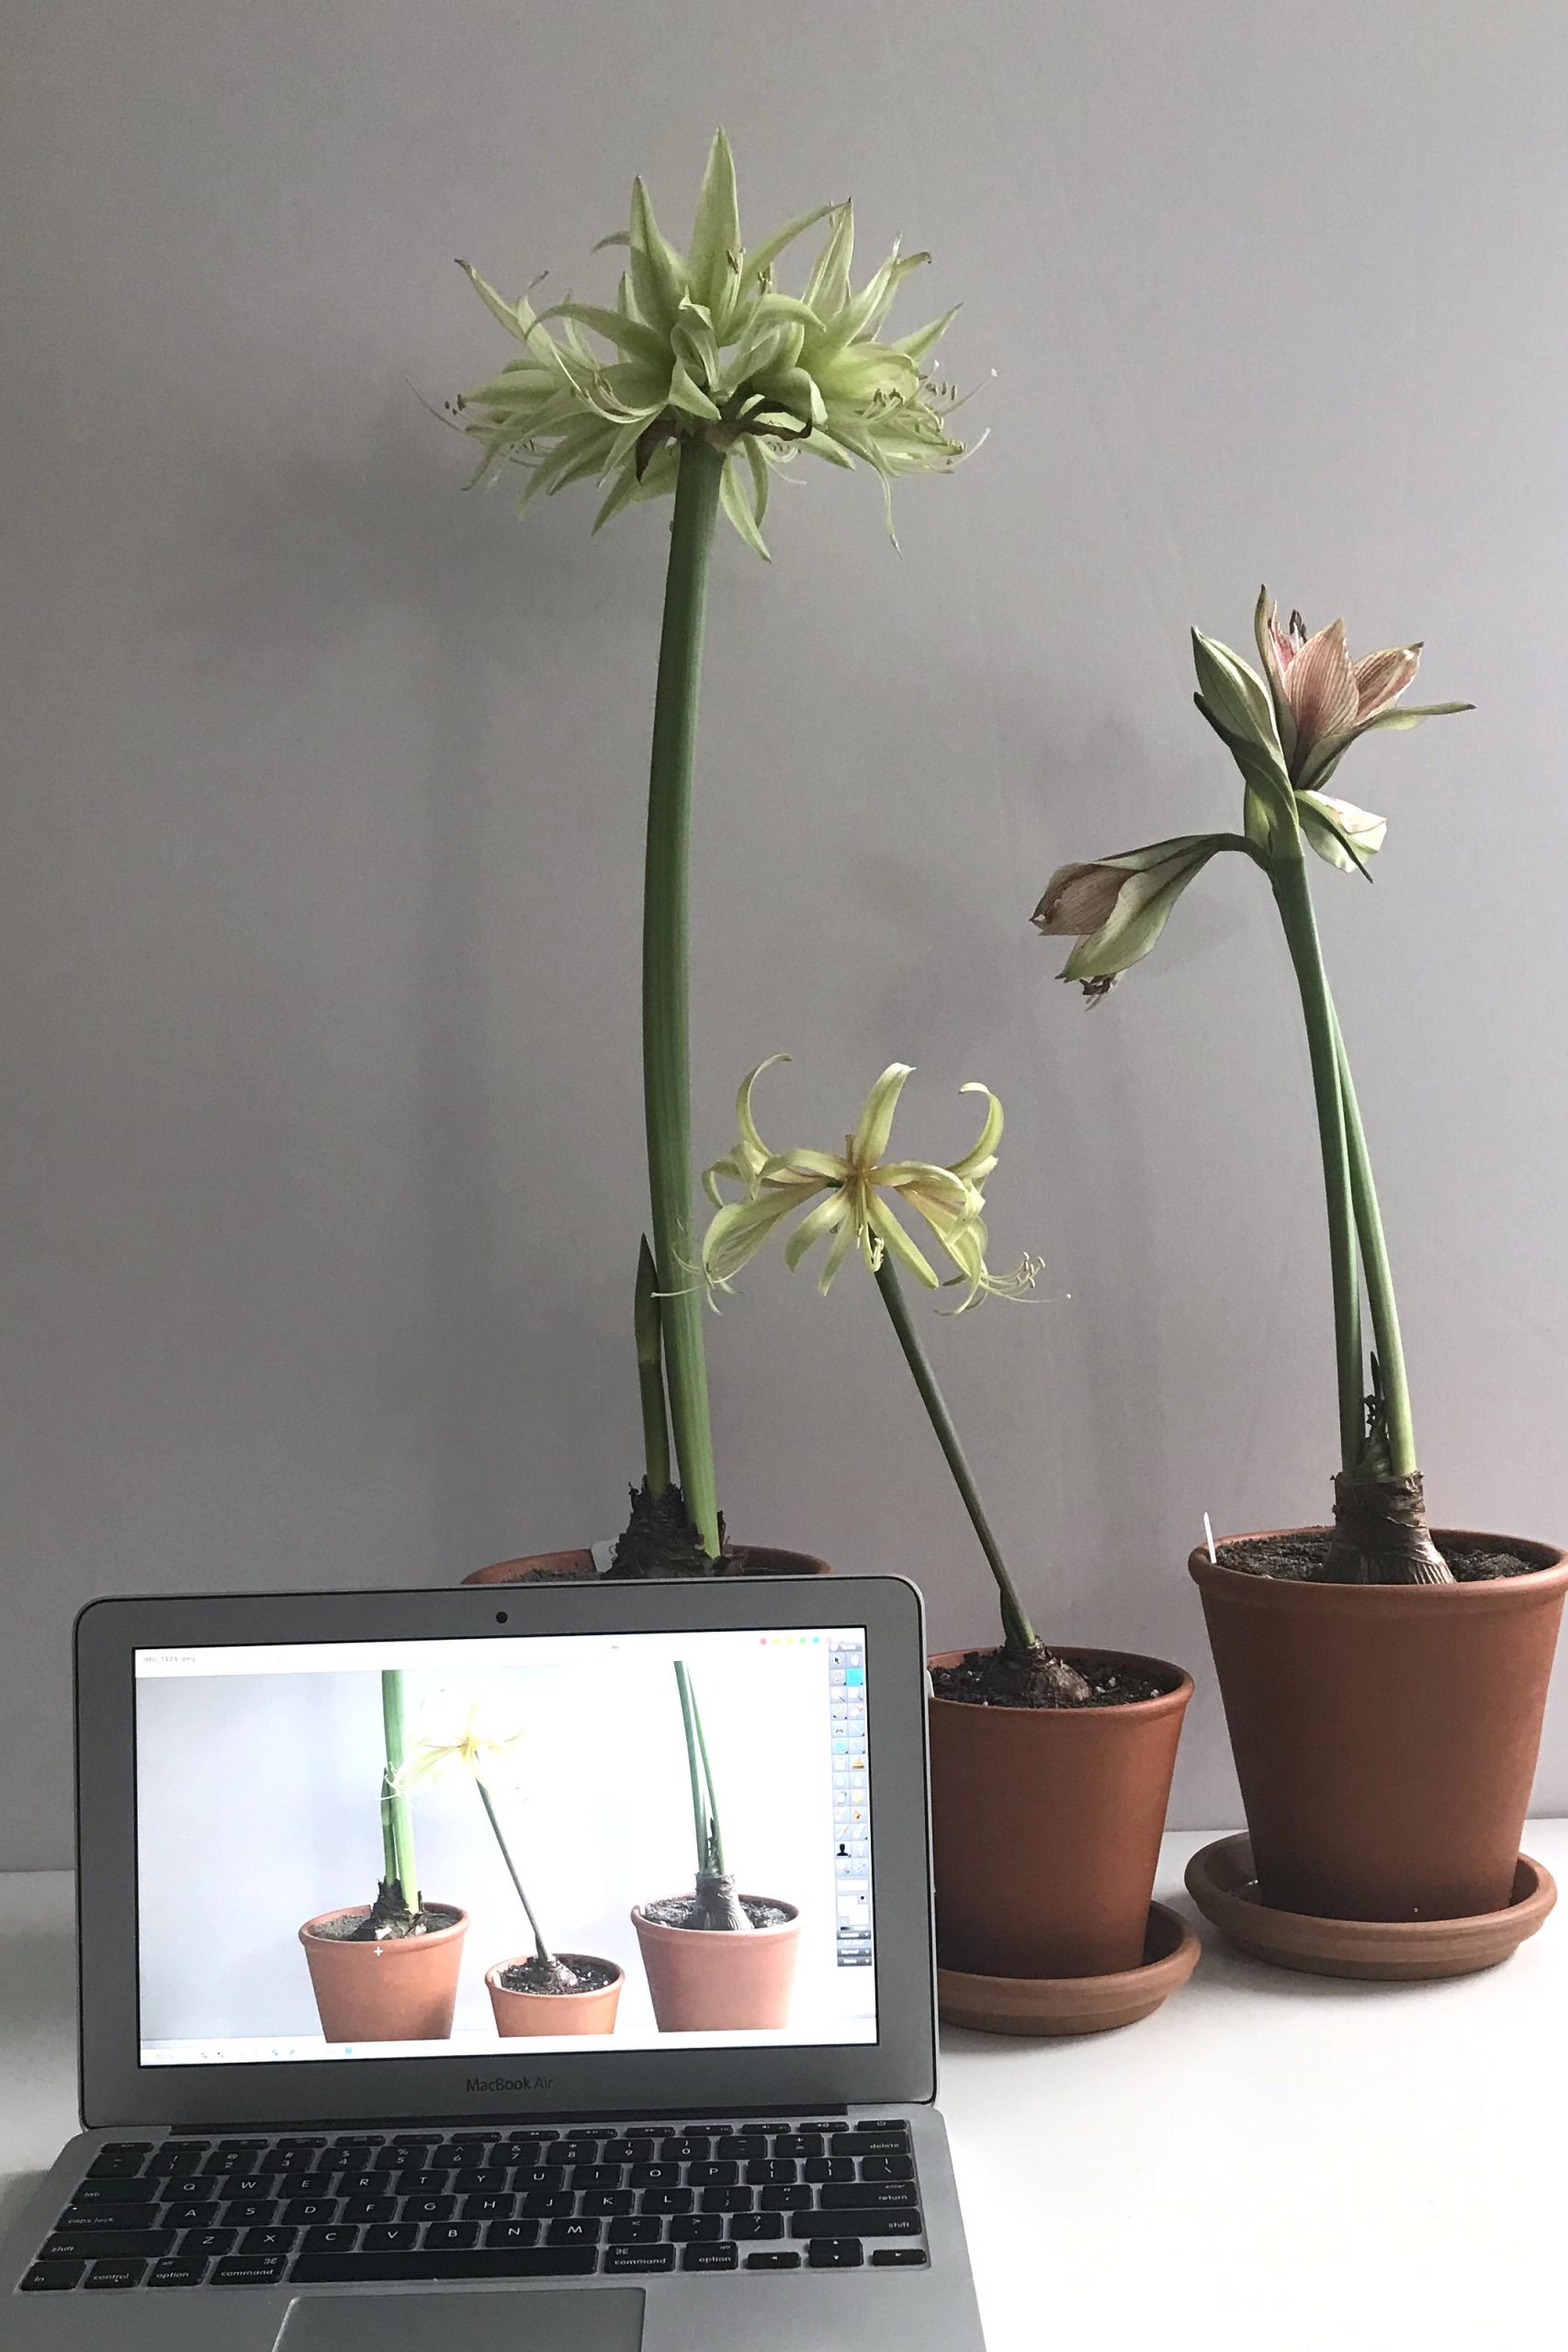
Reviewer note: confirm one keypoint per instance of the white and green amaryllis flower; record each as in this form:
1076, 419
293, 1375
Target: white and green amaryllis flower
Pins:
477, 1737
1287, 732
702, 344
857, 1194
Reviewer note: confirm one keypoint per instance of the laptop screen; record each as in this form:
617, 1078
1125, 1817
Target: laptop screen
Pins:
379, 1849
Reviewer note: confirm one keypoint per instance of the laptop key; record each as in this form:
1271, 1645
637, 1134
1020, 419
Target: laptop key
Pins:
903, 2222
662, 2201
640, 2229
711, 2175
836, 2254
757, 2225
368, 2209
512, 2234
249, 2271
573, 2233
864, 2193
772, 2172
51, 2278
435, 2209
330, 2238
710, 2258
901, 2258
382, 2237
175, 2270
799, 2143
114, 2274
255, 2213
96, 2220
729, 2200
199, 2214
782, 2258
685, 2148
539, 2177
479, 2262
628, 2151
446, 2236
115, 2192
301, 2210
106, 2246
800, 2200
274, 2240
887, 2169
664, 2174
744, 2144
893, 2143
548, 2204
608, 2204
824, 2168
696, 2229
623, 2259
204, 2245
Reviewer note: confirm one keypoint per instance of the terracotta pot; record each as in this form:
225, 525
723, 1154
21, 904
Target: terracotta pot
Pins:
400, 1989
1046, 1826
708, 1978
758, 1559
525, 2016
1385, 1735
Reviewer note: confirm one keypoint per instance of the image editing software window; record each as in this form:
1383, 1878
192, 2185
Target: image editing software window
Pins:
576, 1817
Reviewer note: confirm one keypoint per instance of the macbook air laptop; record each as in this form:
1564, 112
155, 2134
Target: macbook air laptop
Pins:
291, 2142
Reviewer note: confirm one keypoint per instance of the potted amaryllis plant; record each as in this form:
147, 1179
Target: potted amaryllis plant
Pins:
715, 1958
388, 1971
543, 1992
1384, 1682
698, 382
1050, 1769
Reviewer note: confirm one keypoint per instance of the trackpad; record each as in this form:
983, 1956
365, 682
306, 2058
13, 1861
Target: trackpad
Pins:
472, 2319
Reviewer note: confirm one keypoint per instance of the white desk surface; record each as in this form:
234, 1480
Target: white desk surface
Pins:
1318, 2167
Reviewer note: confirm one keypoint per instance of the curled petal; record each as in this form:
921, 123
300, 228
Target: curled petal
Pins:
752, 1143
870, 1138
1382, 678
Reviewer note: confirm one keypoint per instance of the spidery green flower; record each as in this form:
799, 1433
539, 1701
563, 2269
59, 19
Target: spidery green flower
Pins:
702, 345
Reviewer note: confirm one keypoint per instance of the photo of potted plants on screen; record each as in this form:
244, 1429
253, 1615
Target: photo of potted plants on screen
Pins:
715, 1959
388, 1971
542, 1992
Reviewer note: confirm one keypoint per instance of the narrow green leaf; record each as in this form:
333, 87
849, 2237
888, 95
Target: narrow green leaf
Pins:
769, 250
715, 231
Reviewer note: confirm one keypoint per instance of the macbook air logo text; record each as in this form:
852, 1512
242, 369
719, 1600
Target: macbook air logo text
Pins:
480, 2085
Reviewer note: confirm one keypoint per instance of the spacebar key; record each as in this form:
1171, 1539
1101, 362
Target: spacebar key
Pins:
479, 2262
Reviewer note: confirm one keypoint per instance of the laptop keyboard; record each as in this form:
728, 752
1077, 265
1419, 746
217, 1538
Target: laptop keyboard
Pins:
540, 2202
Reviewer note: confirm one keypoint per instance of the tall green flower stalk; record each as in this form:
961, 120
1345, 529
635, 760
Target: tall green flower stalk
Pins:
1287, 732
701, 382
717, 1904
396, 1911
855, 1196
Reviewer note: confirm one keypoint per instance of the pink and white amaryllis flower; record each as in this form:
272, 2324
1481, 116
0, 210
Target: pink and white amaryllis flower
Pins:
1322, 700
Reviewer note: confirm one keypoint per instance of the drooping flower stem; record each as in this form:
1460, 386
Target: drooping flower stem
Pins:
400, 1888
1018, 1636
650, 1375
666, 1050
545, 1956
1293, 895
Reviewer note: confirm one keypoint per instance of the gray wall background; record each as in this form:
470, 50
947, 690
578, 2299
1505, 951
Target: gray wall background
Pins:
323, 819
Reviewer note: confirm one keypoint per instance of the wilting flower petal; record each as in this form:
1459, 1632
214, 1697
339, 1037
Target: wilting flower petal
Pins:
702, 347
1340, 831
1147, 883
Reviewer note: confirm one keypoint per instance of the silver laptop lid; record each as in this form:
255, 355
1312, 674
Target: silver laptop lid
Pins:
231, 1773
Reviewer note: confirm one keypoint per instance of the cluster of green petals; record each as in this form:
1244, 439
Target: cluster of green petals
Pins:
850, 1198
702, 345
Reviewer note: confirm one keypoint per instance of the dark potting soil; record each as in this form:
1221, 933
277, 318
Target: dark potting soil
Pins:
348, 1928
1299, 1559
530, 1976
683, 1911
992, 1679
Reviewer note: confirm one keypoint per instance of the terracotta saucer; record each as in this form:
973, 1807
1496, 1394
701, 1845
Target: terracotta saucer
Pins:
1055, 2005
1220, 1883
